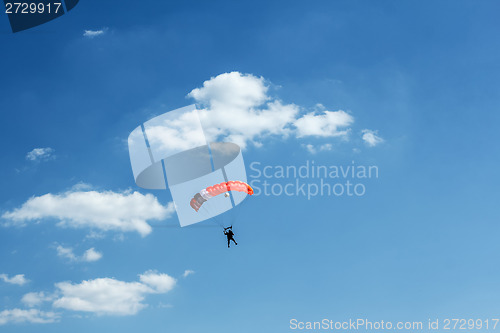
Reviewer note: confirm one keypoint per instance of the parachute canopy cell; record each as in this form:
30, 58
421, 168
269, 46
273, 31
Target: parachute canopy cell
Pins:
212, 191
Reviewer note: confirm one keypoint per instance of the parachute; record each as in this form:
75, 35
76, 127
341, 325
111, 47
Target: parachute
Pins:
212, 191
172, 151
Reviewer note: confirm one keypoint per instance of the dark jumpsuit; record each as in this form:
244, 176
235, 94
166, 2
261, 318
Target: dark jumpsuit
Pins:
229, 234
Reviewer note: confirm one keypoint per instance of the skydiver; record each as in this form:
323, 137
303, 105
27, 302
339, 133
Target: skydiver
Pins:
229, 234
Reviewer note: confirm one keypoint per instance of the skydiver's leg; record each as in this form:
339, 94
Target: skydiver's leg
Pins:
234, 241
228, 242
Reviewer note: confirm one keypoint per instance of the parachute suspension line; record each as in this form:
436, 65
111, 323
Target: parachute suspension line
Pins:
235, 213
218, 221
206, 209
240, 208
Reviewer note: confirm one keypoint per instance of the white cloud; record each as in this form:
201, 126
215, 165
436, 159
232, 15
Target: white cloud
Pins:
310, 148
94, 33
165, 306
327, 124
65, 252
40, 154
91, 255
119, 238
175, 134
105, 211
95, 235
36, 298
27, 316
236, 90
88, 256
18, 279
326, 147
81, 186
187, 272
108, 296
162, 283
314, 149
370, 137
238, 109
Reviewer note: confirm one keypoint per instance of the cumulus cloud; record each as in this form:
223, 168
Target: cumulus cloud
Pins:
88, 256
326, 124
18, 279
36, 298
371, 138
109, 296
27, 316
40, 154
159, 282
178, 134
105, 211
237, 108
91, 255
242, 91
94, 33
187, 272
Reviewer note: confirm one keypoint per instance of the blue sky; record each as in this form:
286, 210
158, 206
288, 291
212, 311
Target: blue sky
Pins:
421, 243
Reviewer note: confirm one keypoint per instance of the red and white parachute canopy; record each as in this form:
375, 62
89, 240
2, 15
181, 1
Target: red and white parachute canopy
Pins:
211, 191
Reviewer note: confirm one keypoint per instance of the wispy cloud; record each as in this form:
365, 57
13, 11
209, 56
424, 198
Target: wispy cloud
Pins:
89, 255
162, 305
187, 272
36, 298
65, 252
40, 154
105, 211
94, 33
18, 279
314, 149
81, 186
371, 138
27, 316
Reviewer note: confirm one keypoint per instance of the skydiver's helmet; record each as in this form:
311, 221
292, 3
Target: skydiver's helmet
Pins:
226, 194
